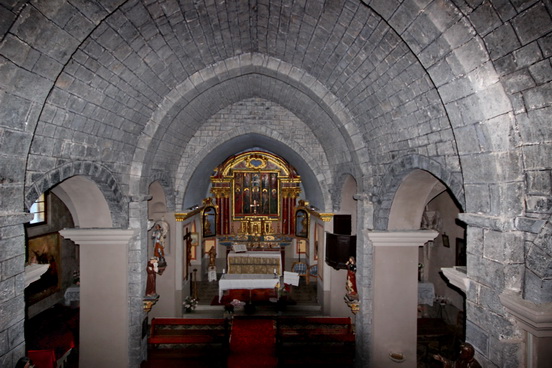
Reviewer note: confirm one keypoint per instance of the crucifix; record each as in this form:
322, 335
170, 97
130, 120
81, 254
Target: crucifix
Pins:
188, 238
254, 206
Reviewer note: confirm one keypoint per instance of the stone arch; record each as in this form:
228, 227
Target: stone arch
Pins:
242, 65
102, 178
166, 183
469, 87
309, 163
336, 191
401, 169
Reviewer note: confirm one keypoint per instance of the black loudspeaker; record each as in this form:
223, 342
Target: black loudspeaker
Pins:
338, 250
342, 224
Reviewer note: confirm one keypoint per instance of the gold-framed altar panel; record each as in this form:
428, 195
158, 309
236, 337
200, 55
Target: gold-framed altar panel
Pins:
261, 186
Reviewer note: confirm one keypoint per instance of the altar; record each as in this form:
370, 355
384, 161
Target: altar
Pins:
247, 281
261, 262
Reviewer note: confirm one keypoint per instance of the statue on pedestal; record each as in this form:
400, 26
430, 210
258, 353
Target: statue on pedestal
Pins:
351, 285
212, 256
152, 271
159, 235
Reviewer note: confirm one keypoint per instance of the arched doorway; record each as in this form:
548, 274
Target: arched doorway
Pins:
400, 250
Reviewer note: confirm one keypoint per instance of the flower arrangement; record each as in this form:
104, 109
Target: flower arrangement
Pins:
189, 303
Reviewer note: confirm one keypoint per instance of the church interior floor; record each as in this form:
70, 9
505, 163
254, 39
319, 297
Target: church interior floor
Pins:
43, 327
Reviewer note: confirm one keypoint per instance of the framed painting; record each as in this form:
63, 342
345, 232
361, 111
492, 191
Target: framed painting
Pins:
195, 244
460, 252
44, 249
209, 222
446, 241
301, 224
256, 193
209, 243
302, 246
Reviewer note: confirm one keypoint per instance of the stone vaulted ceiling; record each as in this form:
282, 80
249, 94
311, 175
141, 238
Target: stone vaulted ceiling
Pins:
130, 83
139, 84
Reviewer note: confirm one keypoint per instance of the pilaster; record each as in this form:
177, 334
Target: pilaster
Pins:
536, 321
104, 296
395, 292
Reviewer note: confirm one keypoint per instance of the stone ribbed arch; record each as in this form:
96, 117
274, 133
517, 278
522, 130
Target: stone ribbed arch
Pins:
102, 176
398, 170
185, 181
167, 184
336, 190
243, 65
456, 59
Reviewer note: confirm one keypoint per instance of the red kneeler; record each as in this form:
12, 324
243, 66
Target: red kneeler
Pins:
43, 358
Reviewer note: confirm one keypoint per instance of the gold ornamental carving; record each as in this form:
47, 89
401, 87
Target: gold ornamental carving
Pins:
221, 192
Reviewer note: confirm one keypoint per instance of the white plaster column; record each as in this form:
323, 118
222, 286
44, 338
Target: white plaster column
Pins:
395, 292
536, 321
104, 310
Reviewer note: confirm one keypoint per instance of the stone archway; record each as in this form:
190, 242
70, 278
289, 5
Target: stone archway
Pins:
395, 267
103, 248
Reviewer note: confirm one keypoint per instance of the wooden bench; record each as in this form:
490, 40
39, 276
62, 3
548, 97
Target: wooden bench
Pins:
314, 329
182, 331
330, 339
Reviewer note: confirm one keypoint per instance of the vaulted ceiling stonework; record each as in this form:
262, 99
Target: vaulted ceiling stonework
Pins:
130, 92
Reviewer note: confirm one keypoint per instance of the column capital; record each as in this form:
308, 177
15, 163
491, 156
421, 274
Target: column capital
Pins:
533, 318
457, 276
401, 238
99, 236
486, 221
141, 198
366, 197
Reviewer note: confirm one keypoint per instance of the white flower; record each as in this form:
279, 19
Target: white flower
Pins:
190, 303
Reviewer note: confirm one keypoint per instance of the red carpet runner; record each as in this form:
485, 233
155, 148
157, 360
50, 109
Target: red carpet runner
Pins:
252, 344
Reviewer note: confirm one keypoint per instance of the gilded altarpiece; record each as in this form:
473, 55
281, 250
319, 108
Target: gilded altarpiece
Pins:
256, 193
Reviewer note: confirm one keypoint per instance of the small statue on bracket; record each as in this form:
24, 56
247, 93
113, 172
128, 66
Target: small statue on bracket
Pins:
152, 270
351, 285
159, 235
212, 256
351, 298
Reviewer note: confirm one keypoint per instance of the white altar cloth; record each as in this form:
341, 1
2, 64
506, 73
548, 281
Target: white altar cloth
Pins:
229, 281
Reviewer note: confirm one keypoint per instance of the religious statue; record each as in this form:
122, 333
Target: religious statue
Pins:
159, 235
351, 286
465, 360
212, 256
152, 270
206, 226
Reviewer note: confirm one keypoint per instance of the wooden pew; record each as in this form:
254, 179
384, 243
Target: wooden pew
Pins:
184, 331
314, 329
315, 341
